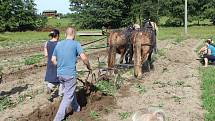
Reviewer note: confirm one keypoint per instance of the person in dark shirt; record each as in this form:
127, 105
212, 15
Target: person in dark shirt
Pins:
51, 80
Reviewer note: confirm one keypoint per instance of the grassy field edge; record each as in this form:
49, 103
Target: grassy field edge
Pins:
208, 92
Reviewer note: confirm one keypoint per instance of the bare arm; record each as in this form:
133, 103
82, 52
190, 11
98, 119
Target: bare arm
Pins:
209, 51
54, 60
45, 50
203, 49
85, 59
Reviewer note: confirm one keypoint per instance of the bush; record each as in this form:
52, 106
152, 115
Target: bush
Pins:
175, 22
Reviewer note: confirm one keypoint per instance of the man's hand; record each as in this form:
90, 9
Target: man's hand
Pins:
86, 61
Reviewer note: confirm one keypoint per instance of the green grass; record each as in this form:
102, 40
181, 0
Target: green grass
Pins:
14, 39
59, 23
34, 59
140, 88
106, 87
177, 33
94, 115
5, 102
208, 92
124, 115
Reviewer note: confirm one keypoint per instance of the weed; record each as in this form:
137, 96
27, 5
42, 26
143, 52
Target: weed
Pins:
179, 39
81, 73
157, 82
33, 59
131, 71
5, 102
180, 83
162, 52
124, 115
101, 64
177, 99
108, 109
141, 89
161, 84
23, 97
94, 115
106, 87
118, 81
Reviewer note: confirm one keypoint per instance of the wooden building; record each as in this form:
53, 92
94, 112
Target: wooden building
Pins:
50, 13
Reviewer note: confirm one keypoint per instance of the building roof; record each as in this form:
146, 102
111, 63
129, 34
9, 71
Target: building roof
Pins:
49, 11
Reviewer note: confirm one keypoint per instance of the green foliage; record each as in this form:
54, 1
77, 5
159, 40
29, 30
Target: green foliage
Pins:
177, 99
19, 15
59, 23
124, 115
98, 13
119, 13
108, 110
33, 59
140, 88
3, 38
5, 102
94, 115
180, 83
162, 52
207, 75
106, 87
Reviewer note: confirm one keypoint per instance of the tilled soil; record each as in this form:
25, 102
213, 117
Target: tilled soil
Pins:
20, 51
173, 86
30, 82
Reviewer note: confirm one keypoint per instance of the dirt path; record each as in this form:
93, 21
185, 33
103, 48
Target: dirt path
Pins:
174, 86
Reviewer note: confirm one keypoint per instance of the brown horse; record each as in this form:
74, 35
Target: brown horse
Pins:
147, 43
119, 42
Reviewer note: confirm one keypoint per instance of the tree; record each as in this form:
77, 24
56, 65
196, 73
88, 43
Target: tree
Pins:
19, 15
209, 10
98, 13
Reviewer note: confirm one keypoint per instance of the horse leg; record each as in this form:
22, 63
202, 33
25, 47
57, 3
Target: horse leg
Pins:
145, 62
111, 56
122, 56
131, 55
126, 57
150, 61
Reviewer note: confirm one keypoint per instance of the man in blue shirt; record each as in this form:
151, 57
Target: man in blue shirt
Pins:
65, 57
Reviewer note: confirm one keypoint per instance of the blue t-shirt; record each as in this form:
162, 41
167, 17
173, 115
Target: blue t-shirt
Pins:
212, 48
66, 53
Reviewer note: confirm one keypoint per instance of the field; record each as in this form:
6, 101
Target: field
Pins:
177, 84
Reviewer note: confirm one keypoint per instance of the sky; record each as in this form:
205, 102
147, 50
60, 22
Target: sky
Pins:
62, 6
